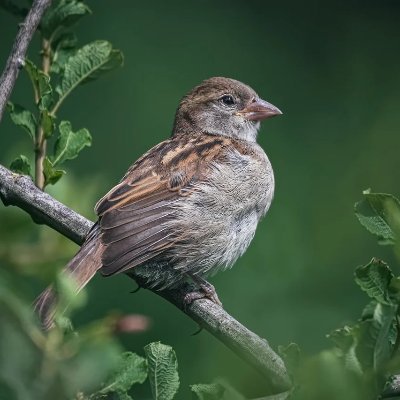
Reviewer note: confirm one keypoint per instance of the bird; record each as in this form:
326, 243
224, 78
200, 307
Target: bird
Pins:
190, 206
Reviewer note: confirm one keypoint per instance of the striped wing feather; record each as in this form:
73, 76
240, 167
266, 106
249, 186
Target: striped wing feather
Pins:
133, 214
132, 230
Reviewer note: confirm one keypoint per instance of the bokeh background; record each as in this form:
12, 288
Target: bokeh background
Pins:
331, 66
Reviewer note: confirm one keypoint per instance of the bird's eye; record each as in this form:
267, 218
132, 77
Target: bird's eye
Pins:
228, 100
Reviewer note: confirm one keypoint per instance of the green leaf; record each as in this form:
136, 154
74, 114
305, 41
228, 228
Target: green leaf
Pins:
64, 48
41, 85
21, 165
379, 213
87, 64
368, 345
23, 118
162, 370
394, 289
131, 369
213, 391
342, 337
69, 143
219, 390
63, 15
47, 123
375, 338
51, 174
345, 340
369, 309
374, 278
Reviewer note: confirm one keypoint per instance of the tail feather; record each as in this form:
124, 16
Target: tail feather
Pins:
81, 268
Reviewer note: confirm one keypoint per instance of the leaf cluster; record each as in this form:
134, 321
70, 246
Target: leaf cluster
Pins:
365, 357
65, 66
88, 365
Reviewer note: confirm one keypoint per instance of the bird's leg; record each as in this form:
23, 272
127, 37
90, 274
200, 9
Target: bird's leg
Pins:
206, 291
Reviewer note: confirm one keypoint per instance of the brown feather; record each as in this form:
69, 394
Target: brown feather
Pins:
133, 213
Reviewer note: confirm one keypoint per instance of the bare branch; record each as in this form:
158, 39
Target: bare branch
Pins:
17, 56
20, 191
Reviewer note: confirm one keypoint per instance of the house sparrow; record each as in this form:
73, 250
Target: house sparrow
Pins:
190, 206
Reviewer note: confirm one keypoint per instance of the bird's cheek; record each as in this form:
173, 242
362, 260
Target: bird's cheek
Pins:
238, 118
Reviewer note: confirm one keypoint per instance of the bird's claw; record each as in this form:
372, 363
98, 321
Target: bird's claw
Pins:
206, 291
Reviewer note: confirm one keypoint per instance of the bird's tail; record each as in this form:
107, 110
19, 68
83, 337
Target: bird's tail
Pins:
81, 268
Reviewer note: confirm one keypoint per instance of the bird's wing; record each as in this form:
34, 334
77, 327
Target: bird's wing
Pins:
132, 214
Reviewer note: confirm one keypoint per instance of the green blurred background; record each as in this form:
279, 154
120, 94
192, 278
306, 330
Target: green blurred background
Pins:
332, 67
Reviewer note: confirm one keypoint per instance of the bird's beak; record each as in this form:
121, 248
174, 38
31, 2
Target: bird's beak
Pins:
258, 110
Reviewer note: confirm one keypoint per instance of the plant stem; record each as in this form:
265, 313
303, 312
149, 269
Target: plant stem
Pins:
40, 141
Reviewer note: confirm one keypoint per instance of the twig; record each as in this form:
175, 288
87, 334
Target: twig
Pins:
40, 139
17, 56
20, 191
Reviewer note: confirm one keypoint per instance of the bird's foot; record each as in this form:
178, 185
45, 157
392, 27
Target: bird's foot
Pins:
206, 290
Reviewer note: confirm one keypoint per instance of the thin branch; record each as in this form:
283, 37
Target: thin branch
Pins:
40, 139
20, 191
17, 56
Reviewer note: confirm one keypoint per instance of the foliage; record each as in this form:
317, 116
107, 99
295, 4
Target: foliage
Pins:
34, 365
163, 371
380, 214
65, 66
366, 354
85, 365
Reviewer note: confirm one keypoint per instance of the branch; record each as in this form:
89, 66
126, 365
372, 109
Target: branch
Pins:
17, 56
40, 138
20, 191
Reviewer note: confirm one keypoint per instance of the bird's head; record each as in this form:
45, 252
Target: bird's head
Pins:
222, 106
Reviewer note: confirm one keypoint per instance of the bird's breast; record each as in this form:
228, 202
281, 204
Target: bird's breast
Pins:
218, 220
